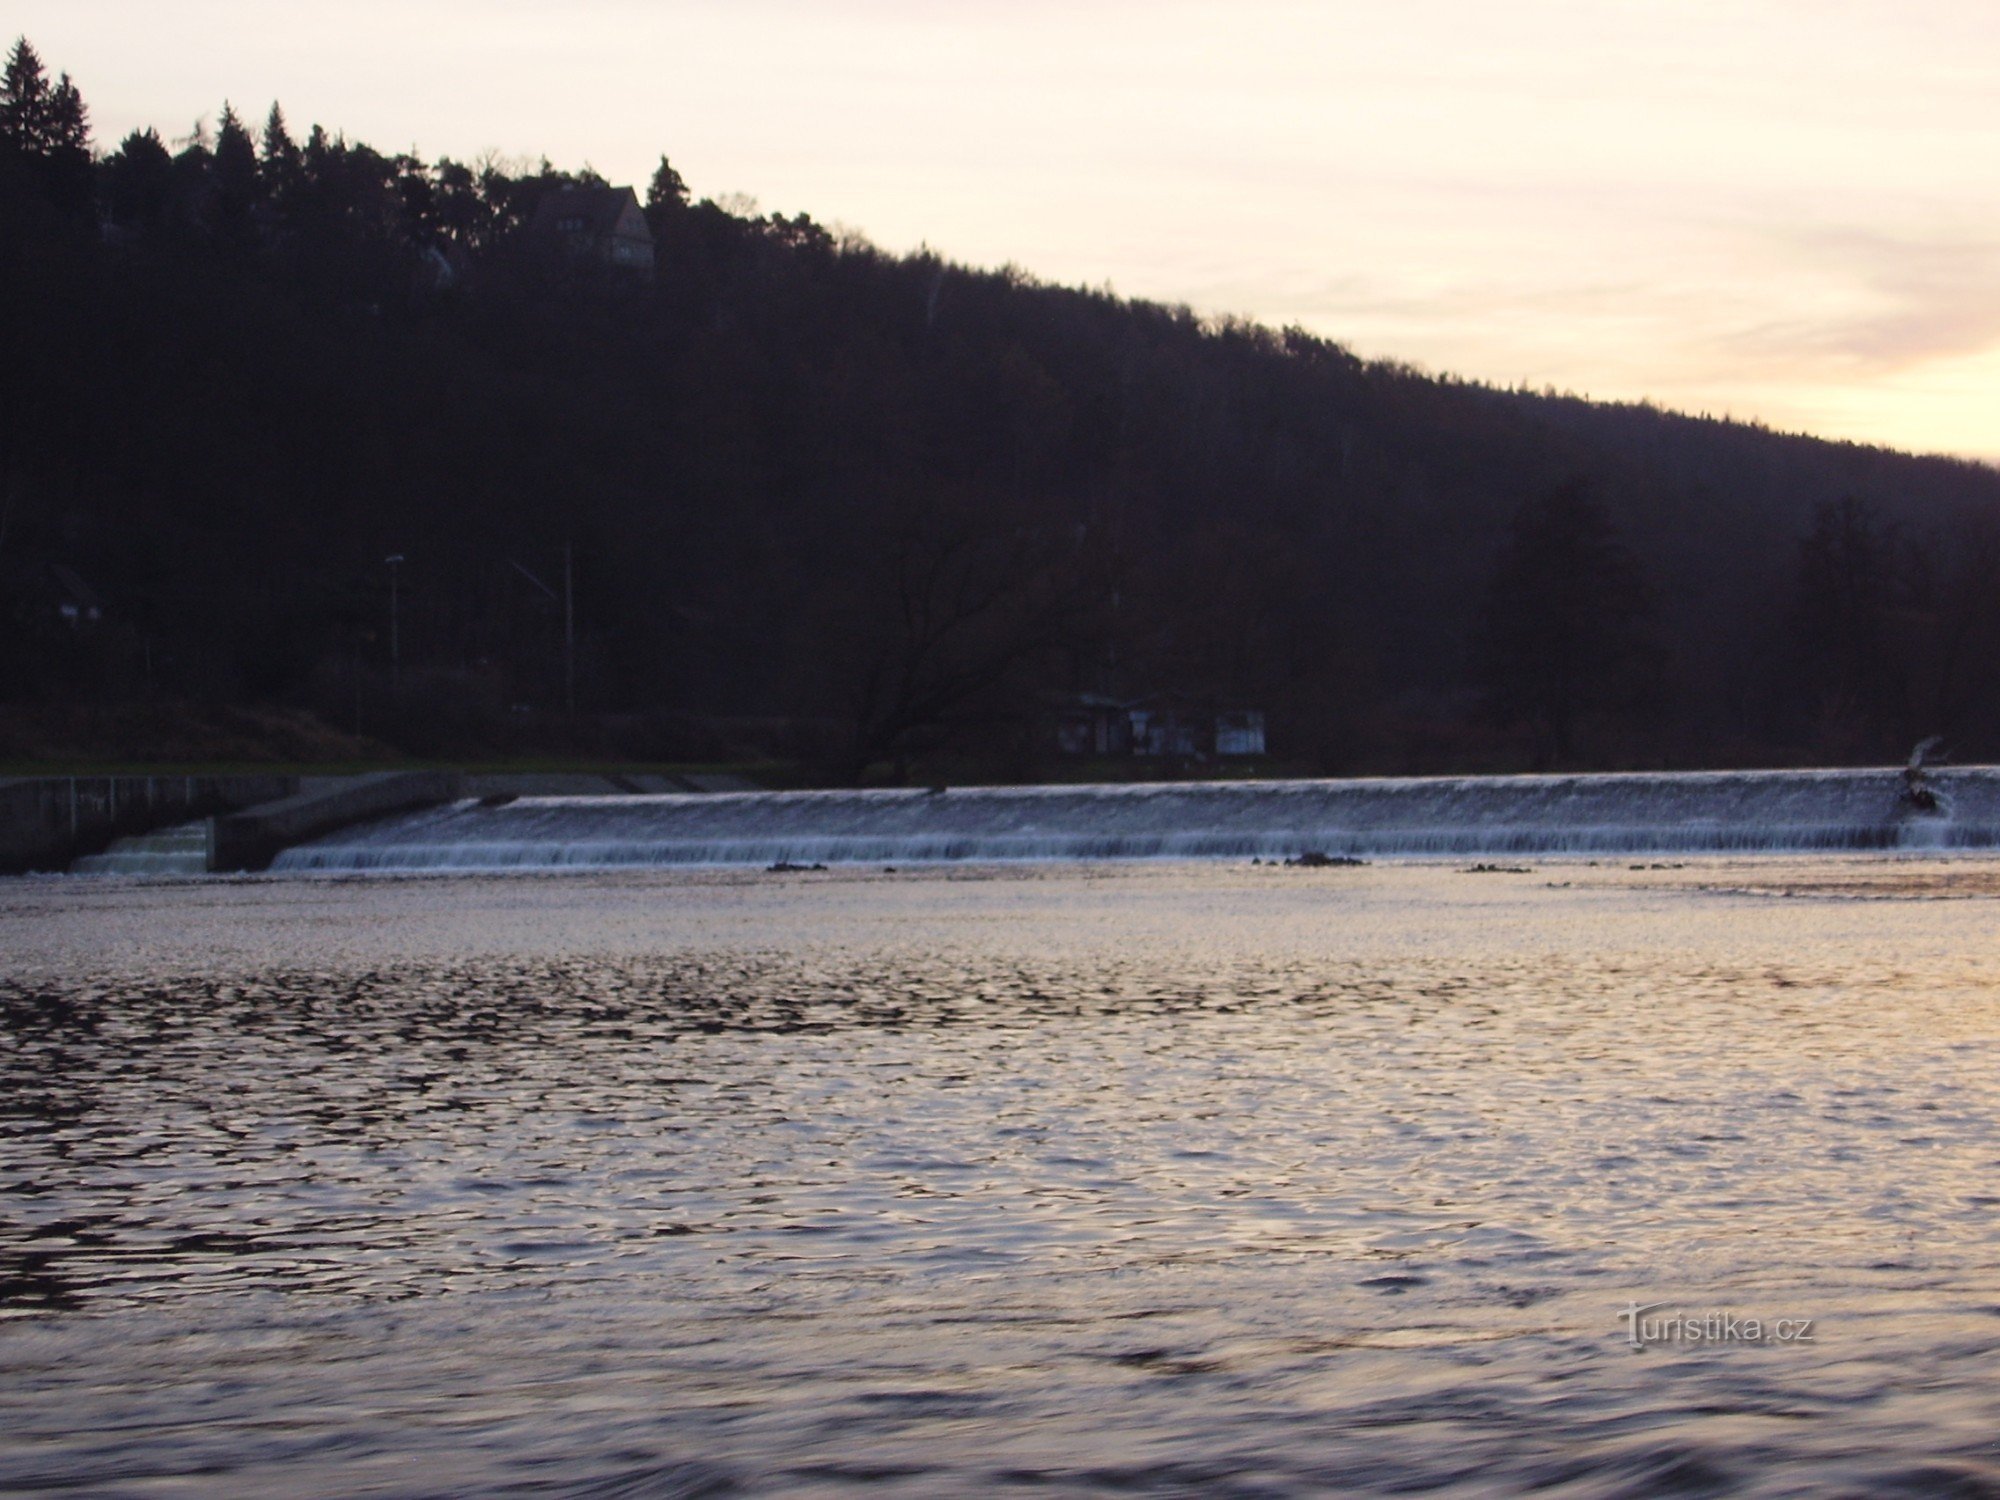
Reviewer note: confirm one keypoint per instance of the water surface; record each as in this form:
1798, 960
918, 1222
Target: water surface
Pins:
1157, 1179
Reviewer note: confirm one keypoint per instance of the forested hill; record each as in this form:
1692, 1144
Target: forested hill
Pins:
875, 512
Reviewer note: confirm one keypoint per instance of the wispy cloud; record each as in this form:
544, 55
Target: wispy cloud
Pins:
1879, 302
1757, 206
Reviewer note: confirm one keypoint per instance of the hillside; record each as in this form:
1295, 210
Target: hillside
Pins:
877, 513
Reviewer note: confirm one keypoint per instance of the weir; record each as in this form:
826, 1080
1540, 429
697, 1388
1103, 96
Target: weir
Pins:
1683, 812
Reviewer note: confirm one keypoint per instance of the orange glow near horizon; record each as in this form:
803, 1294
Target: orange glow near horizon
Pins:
1767, 209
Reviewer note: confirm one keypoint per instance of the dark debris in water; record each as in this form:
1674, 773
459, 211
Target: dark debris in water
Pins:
1315, 859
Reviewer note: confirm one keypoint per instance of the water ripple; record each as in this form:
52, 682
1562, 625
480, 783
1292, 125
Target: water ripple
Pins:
1169, 1182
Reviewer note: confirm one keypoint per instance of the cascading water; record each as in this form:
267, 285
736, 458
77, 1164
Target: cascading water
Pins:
180, 850
1618, 814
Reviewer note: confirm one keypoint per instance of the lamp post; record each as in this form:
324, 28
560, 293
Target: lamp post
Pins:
395, 562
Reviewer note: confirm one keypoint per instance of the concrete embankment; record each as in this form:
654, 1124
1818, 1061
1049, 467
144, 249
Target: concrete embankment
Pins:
47, 821
251, 839
50, 822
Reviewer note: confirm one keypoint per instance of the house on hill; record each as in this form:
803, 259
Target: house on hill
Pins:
594, 226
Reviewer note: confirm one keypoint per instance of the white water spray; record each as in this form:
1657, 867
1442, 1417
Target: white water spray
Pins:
1689, 812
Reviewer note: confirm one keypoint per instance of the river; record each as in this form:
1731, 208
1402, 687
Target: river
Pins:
1571, 1177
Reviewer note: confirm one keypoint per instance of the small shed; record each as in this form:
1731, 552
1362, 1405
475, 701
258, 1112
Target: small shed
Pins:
1239, 731
1091, 724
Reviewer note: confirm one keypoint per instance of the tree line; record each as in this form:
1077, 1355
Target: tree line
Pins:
876, 513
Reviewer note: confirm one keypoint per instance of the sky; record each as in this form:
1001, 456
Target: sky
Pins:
1779, 210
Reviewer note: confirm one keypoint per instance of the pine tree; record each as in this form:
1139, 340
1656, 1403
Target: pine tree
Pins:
69, 121
668, 189
66, 169
26, 107
234, 172
139, 180
1565, 631
194, 181
44, 131
278, 143
1848, 595
320, 170
278, 165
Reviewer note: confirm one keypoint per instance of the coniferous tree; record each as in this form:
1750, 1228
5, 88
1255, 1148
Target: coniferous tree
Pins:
1847, 599
194, 179
1565, 632
26, 108
769, 426
44, 132
139, 181
66, 169
69, 121
235, 173
668, 189
278, 161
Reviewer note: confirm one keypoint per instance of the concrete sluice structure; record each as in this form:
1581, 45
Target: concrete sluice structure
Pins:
184, 849
1682, 812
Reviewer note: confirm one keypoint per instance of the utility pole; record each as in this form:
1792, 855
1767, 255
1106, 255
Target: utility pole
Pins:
395, 561
569, 629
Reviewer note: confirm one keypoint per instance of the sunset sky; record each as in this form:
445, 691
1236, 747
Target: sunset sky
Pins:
1786, 210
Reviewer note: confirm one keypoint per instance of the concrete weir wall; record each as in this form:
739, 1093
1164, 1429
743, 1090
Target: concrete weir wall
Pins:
47, 821
251, 839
